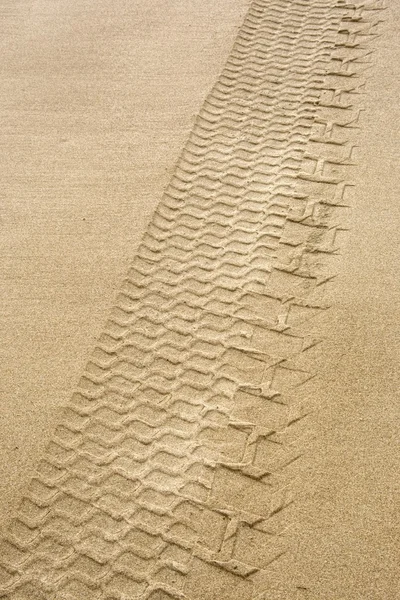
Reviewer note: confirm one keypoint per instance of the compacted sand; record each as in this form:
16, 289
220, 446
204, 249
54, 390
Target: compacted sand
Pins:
224, 175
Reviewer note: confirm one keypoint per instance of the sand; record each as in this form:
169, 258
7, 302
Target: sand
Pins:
87, 147
234, 431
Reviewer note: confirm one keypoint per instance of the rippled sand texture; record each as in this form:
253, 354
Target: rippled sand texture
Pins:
181, 465
96, 102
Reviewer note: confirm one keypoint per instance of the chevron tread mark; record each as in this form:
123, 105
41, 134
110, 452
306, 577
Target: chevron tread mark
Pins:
176, 462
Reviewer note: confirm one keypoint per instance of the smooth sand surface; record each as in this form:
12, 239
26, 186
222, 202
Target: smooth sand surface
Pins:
225, 508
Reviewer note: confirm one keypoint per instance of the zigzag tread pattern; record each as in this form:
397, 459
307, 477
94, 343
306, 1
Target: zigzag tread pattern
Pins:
176, 461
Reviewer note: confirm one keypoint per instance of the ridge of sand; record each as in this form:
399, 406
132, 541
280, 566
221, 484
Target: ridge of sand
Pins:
176, 469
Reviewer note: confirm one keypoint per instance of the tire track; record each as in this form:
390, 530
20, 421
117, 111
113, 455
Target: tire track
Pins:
175, 463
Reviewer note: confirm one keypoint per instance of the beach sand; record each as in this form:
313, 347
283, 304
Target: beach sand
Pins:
97, 102
229, 363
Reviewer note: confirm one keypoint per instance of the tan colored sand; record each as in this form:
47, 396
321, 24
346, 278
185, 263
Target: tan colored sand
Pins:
96, 103
347, 530
351, 516
61, 273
